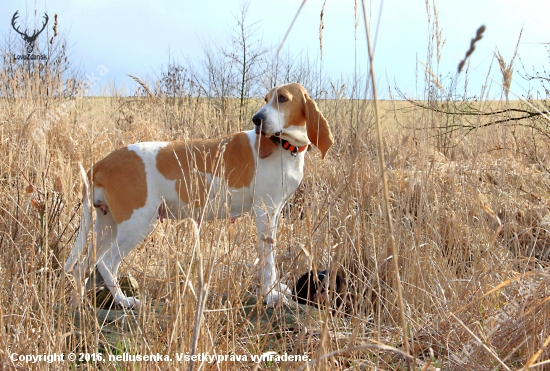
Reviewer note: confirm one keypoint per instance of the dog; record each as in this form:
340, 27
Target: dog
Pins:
253, 171
315, 290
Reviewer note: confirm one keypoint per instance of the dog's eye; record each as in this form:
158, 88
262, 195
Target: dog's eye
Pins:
282, 99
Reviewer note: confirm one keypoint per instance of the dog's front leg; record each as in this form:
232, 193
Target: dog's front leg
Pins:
266, 225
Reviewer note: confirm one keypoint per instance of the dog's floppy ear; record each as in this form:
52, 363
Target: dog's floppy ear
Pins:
318, 131
264, 146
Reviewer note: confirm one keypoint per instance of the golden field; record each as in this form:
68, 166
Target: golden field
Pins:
470, 216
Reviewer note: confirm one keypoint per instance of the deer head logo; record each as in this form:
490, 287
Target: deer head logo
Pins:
32, 38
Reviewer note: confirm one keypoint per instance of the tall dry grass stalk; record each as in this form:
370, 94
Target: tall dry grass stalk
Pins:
392, 248
507, 69
290, 28
321, 28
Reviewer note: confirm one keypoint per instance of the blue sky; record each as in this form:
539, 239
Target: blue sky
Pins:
133, 37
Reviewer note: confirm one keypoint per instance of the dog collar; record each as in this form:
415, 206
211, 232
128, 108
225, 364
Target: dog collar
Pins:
294, 150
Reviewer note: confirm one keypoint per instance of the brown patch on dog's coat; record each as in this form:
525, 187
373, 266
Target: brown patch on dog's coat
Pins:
264, 146
114, 174
178, 160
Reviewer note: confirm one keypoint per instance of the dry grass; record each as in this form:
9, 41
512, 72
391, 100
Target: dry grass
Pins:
471, 226
466, 223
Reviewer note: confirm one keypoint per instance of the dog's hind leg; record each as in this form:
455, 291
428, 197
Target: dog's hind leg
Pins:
85, 224
105, 231
129, 234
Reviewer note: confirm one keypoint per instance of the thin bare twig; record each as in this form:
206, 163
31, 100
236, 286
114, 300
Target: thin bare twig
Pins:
467, 128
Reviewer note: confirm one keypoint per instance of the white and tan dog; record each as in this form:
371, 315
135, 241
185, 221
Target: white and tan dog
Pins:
256, 170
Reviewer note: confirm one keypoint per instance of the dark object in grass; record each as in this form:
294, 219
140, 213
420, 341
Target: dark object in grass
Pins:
316, 291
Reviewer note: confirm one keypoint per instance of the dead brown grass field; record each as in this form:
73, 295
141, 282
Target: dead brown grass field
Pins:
471, 222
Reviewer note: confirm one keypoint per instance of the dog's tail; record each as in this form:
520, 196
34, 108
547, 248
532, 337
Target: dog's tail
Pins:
85, 224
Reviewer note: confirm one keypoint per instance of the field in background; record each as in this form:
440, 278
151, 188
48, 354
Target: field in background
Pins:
471, 225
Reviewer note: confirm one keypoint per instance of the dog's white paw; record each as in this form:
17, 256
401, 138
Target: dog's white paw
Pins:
278, 295
284, 289
129, 303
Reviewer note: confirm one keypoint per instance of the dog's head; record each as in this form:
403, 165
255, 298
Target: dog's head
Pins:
289, 113
314, 290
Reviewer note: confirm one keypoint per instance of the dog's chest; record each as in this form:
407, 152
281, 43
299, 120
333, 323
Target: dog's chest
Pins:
280, 174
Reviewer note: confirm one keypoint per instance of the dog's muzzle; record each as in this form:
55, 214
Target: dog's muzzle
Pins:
258, 120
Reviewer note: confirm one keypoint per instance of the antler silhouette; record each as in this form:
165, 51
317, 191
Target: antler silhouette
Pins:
28, 39
15, 16
24, 34
46, 19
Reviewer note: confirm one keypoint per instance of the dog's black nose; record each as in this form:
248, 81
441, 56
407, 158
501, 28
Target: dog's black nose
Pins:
257, 119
